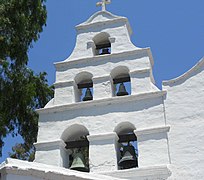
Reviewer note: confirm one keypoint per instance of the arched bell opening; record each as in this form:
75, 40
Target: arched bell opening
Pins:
102, 44
121, 85
76, 151
83, 87
126, 147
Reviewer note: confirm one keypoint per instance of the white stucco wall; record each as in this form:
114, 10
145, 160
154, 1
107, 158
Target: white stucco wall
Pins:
138, 63
13, 169
103, 117
117, 27
185, 114
168, 124
19, 177
143, 109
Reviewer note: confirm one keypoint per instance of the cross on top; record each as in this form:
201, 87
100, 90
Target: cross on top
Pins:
103, 4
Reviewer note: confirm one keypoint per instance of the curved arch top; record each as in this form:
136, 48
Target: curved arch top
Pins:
119, 71
101, 37
83, 76
100, 16
124, 127
74, 132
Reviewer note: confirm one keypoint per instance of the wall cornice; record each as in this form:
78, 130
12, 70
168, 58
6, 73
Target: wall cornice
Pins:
101, 137
51, 144
98, 78
114, 56
106, 101
111, 19
154, 130
153, 171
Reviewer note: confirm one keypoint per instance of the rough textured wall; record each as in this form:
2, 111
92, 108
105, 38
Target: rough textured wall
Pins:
185, 114
104, 118
20, 177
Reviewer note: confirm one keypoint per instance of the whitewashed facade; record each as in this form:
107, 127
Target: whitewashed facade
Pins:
168, 123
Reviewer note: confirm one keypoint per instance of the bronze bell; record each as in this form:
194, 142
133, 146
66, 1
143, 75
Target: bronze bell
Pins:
105, 51
122, 91
78, 163
129, 159
88, 95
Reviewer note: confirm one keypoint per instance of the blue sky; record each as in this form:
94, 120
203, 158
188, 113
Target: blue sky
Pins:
174, 30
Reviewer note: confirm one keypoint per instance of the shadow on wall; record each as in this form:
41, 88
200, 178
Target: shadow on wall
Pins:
98, 110
100, 61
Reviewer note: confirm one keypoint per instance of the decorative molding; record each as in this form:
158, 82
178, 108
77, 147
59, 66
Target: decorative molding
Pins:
112, 39
60, 84
141, 71
143, 52
153, 130
101, 78
108, 21
63, 84
91, 44
149, 52
101, 137
113, 19
152, 171
106, 101
112, 16
49, 144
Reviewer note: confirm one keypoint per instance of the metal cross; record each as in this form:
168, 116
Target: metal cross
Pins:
103, 4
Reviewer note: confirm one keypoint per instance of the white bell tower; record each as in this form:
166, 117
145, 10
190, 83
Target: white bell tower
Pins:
105, 97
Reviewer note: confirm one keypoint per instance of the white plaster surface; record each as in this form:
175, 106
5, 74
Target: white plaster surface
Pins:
103, 21
137, 62
168, 124
185, 113
99, 145
19, 177
153, 150
144, 108
149, 173
13, 169
83, 59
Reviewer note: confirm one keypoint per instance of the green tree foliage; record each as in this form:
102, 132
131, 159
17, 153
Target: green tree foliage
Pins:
21, 90
21, 21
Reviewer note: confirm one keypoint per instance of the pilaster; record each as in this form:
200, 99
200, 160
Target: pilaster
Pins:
102, 152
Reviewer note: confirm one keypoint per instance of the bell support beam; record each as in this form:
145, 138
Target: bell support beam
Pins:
101, 46
121, 80
85, 85
126, 138
77, 144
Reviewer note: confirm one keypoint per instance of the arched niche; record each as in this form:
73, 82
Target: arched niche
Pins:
75, 138
127, 139
83, 86
74, 132
102, 44
120, 81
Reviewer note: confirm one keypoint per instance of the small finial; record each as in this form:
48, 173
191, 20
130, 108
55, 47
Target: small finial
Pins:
103, 4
